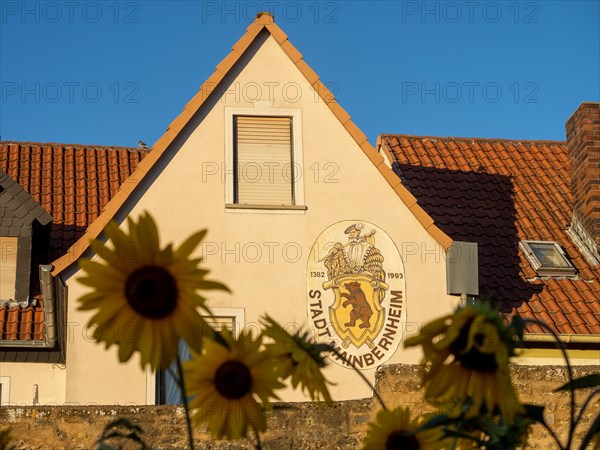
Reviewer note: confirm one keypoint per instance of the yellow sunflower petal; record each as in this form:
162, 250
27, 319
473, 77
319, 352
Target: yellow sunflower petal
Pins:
154, 288
190, 244
232, 398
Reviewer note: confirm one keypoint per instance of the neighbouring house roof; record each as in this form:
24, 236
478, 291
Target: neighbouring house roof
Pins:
498, 192
72, 182
19, 203
19, 321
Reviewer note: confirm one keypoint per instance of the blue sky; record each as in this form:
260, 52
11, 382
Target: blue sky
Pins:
110, 73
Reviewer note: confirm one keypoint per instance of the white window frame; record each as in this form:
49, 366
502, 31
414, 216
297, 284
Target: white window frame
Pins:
297, 158
569, 271
5, 393
238, 315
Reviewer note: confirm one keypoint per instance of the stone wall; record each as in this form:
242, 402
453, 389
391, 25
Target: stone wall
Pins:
340, 425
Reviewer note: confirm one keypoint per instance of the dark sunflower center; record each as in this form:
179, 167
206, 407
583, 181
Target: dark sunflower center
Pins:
398, 440
233, 380
151, 291
473, 359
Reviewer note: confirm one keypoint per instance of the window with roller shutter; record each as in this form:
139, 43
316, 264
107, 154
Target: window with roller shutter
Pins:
263, 161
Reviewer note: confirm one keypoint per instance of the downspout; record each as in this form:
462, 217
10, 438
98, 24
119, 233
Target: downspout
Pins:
47, 289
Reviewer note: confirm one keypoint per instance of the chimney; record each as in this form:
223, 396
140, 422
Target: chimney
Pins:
583, 142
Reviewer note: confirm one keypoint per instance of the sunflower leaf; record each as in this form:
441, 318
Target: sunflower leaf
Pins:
213, 285
594, 428
518, 325
104, 446
534, 412
190, 244
437, 421
111, 431
587, 381
220, 339
458, 434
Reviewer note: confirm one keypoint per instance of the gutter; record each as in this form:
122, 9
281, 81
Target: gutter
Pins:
564, 338
47, 289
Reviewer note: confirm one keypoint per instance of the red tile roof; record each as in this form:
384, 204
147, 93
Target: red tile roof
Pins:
496, 193
72, 182
22, 324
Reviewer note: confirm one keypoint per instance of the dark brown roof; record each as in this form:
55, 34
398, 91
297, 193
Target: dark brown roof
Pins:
496, 193
19, 203
72, 182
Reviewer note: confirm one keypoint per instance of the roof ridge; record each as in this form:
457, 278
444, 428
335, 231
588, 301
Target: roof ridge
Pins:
457, 138
89, 146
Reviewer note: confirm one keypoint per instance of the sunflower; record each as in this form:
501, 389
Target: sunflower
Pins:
145, 297
299, 357
395, 430
466, 357
225, 381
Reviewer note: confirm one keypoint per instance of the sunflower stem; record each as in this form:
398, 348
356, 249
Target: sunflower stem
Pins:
561, 347
553, 434
585, 404
185, 402
339, 355
258, 444
455, 440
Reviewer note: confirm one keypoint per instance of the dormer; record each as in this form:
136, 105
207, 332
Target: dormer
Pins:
18, 212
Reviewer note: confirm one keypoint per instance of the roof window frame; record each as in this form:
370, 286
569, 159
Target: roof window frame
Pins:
547, 270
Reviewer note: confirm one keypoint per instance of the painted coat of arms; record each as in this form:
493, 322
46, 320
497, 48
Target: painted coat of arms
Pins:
356, 276
352, 307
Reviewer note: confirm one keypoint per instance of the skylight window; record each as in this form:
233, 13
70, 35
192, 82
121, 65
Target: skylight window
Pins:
547, 258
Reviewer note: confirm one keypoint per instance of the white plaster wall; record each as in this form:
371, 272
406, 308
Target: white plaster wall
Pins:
94, 373
22, 379
183, 198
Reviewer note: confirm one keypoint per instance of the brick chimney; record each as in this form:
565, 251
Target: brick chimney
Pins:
583, 141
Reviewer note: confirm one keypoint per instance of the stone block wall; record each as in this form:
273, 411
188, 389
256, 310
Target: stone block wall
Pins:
339, 425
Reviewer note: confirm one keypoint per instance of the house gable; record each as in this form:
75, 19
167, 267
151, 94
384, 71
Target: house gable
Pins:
264, 24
